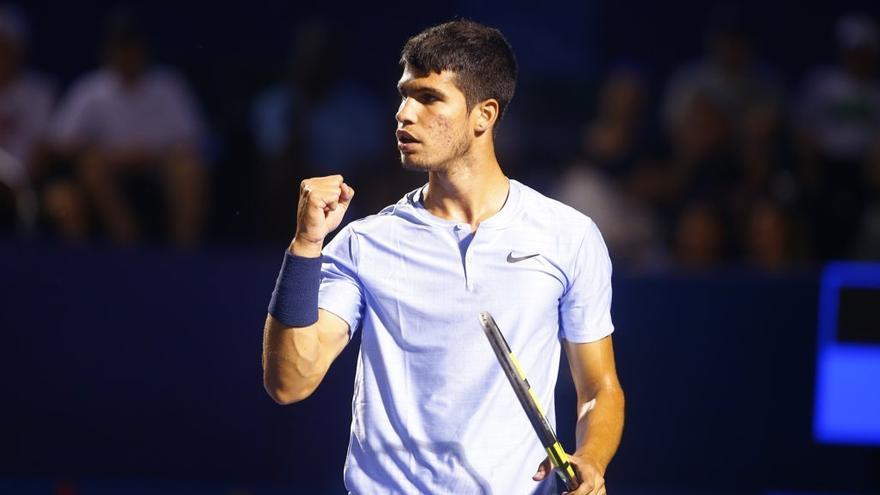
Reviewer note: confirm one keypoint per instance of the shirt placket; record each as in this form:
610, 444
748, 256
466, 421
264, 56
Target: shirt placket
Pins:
465, 239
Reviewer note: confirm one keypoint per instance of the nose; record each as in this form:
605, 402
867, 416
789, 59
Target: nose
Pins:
405, 112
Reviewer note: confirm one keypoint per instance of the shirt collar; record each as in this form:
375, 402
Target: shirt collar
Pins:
497, 221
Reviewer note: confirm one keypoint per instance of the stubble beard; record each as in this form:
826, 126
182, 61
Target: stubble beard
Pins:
459, 150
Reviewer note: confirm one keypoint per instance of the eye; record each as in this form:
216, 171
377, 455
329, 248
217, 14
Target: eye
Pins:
428, 98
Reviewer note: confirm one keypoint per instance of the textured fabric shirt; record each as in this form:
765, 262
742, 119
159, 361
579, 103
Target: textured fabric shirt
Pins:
432, 410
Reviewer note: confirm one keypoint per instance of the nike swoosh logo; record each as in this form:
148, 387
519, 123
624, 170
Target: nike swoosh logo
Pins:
512, 259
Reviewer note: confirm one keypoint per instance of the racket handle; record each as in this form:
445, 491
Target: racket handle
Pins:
566, 473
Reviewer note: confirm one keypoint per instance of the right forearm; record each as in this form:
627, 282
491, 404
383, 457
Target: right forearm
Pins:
292, 366
299, 342
294, 357
293, 361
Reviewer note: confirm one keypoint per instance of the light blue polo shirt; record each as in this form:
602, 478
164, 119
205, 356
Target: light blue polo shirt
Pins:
432, 410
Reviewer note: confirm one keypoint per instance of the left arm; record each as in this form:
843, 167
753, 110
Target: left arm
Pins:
599, 428
595, 377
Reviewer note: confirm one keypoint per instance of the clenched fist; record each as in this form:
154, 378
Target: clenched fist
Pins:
322, 203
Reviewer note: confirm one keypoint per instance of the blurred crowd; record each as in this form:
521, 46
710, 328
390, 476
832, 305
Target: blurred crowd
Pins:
729, 166
738, 169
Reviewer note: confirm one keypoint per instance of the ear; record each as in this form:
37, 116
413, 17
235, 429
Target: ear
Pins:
485, 114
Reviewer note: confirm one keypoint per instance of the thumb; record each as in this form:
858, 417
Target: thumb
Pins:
543, 469
346, 194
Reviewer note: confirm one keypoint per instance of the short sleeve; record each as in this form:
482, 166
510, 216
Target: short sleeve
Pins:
341, 292
585, 307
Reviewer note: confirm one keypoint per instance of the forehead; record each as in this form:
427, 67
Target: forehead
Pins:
444, 82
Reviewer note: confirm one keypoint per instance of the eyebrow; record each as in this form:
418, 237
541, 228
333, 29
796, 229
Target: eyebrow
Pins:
417, 88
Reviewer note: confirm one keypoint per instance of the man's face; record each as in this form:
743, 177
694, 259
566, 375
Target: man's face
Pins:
128, 58
433, 122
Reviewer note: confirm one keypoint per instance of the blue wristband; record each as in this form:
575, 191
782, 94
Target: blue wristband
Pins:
295, 298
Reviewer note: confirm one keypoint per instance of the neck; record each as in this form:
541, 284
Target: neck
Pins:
469, 192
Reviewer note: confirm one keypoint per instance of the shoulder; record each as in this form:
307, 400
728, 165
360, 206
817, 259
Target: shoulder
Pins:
571, 237
177, 83
372, 230
167, 82
400, 214
91, 85
540, 210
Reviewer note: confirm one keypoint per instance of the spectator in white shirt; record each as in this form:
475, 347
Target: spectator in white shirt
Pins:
731, 74
130, 119
839, 111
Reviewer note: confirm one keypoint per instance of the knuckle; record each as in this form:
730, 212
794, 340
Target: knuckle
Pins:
330, 180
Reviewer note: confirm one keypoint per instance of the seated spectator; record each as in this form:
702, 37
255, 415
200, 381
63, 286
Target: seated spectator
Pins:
132, 121
597, 184
615, 139
25, 107
703, 159
729, 75
839, 121
839, 110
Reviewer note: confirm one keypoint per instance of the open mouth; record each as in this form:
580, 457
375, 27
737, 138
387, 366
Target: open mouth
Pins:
406, 142
404, 137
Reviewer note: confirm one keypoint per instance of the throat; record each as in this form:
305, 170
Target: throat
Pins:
469, 201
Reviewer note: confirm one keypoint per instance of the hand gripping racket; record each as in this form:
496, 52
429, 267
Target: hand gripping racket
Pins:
529, 402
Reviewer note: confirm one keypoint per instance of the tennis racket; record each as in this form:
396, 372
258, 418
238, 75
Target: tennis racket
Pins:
529, 402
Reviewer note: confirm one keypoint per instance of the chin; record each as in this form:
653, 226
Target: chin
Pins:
410, 162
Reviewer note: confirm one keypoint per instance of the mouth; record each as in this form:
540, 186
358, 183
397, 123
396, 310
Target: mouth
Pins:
405, 140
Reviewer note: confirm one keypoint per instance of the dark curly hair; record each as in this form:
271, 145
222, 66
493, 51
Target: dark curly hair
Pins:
480, 57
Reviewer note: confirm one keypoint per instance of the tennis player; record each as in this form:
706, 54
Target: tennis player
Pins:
432, 410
